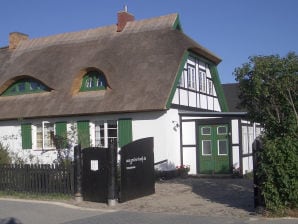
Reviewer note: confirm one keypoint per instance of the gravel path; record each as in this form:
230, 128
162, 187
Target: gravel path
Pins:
193, 196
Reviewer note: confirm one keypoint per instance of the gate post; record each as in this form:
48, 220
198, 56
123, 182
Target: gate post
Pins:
78, 173
259, 202
112, 173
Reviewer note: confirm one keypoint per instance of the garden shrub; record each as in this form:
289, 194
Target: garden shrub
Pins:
279, 173
4, 154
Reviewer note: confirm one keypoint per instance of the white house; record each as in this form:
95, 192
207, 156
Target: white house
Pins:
127, 81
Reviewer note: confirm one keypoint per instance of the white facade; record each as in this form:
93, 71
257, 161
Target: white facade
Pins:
162, 126
175, 135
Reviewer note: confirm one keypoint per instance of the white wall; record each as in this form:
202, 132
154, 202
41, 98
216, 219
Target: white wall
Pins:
189, 152
190, 159
10, 135
235, 143
160, 125
163, 127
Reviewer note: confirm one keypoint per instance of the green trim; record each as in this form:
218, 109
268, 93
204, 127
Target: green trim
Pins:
26, 136
178, 76
25, 86
218, 88
84, 133
124, 131
61, 133
177, 24
95, 77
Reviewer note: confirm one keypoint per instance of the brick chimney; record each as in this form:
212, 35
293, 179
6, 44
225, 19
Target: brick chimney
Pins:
123, 18
15, 38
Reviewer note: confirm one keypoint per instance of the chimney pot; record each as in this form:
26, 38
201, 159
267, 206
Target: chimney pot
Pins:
15, 38
123, 18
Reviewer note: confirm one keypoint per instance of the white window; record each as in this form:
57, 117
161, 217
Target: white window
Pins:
99, 134
210, 87
202, 81
191, 77
45, 133
182, 79
105, 132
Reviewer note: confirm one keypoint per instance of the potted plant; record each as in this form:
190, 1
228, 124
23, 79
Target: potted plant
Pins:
183, 170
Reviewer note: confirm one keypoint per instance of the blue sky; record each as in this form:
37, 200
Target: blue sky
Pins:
232, 29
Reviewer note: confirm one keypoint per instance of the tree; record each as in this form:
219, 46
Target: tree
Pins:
268, 86
269, 93
4, 155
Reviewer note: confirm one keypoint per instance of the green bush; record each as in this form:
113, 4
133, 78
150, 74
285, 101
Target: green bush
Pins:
268, 92
4, 155
278, 173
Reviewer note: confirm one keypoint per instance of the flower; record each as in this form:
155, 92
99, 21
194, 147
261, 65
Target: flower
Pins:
184, 168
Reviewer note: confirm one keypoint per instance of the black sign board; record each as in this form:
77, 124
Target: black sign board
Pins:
137, 169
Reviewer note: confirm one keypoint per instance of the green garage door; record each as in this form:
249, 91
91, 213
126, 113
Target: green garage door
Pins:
213, 149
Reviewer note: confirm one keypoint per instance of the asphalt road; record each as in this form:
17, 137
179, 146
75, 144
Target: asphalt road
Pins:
36, 212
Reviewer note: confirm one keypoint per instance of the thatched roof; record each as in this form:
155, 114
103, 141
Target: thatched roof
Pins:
140, 64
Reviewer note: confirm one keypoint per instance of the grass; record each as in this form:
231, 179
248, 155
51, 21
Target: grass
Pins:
35, 196
287, 212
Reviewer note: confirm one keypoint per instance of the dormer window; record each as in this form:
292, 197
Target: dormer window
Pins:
93, 80
25, 86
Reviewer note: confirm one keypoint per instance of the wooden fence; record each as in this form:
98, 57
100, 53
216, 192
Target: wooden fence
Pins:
44, 179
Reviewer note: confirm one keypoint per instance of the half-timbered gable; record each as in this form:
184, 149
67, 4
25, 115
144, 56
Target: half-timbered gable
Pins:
199, 87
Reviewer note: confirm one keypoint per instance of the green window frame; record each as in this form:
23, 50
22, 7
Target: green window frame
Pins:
25, 86
26, 133
93, 80
124, 131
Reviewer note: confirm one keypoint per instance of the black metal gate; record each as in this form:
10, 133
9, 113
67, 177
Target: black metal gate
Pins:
259, 201
95, 174
137, 169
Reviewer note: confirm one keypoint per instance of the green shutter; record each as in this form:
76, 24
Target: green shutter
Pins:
84, 133
61, 135
124, 131
26, 136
